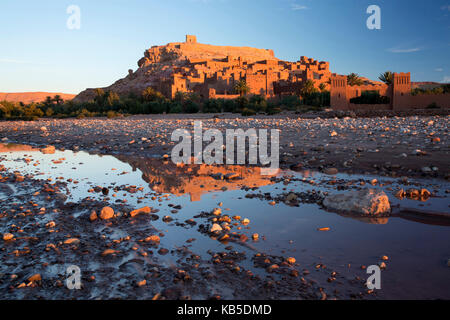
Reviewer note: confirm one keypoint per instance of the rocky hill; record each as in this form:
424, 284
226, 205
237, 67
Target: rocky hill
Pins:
194, 67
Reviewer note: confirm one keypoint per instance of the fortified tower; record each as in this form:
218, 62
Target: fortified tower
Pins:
339, 92
401, 90
191, 39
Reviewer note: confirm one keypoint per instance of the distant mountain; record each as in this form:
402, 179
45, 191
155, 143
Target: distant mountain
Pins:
28, 97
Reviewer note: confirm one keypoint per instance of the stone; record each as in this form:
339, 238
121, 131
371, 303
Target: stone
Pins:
330, 171
291, 197
153, 239
290, 260
144, 210
72, 241
35, 278
93, 216
216, 228
8, 236
364, 202
48, 150
106, 213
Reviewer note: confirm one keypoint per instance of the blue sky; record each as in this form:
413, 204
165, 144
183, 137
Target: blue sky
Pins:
39, 53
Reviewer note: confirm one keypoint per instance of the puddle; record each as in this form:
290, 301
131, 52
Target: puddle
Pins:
418, 247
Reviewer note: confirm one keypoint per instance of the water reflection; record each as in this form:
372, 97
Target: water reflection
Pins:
195, 180
414, 241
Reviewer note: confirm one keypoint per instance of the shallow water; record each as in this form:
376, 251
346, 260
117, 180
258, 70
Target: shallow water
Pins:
418, 249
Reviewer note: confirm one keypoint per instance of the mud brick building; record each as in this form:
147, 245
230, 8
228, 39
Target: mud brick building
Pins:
212, 71
399, 94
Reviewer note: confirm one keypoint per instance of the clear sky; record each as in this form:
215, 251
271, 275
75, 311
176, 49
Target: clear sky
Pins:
39, 53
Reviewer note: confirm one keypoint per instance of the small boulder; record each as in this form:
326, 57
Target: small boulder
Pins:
366, 202
216, 228
106, 213
48, 150
144, 210
8, 236
330, 171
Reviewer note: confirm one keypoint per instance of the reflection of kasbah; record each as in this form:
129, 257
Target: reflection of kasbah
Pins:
399, 94
195, 180
213, 72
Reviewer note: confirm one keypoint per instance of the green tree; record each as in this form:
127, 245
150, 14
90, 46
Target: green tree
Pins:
241, 87
322, 87
307, 89
387, 77
57, 98
354, 79
151, 94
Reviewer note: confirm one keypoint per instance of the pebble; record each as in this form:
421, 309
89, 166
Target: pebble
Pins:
106, 213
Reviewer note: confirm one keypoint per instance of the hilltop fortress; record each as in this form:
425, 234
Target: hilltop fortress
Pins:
212, 71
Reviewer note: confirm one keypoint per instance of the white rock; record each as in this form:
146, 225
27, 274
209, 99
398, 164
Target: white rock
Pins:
365, 202
216, 228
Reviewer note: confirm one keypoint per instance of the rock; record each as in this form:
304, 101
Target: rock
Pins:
333, 134
93, 216
330, 171
144, 210
216, 228
106, 213
8, 236
51, 224
255, 236
153, 239
426, 169
291, 197
290, 260
48, 150
231, 176
365, 202
400, 194
424, 193
72, 241
141, 283
108, 252
35, 278
217, 212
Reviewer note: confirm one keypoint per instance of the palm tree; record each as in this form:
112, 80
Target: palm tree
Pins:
151, 94
387, 77
307, 88
353, 79
57, 98
48, 101
241, 87
322, 87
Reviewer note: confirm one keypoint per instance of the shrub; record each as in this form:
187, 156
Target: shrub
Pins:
248, 112
191, 107
370, 97
433, 106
